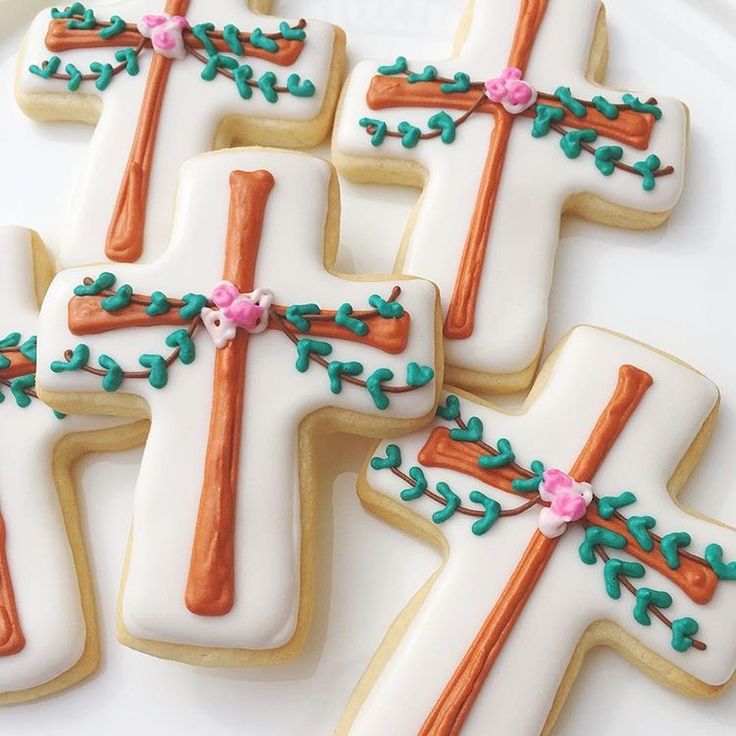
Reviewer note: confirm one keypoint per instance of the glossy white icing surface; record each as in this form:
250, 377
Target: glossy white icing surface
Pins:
537, 179
191, 113
570, 595
39, 557
277, 398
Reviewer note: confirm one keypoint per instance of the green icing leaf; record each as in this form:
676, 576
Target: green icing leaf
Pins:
608, 505
231, 36
638, 106
419, 487
400, 66
564, 95
377, 128
546, 116
216, 62
130, 58
291, 34
529, 485
605, 157
572, 142
79, 359
387, 310
598, 536
443, 122
119, 300
450, 410
46, 70
71, 10
343, 319
336, 370
241, 75
605, 107
114, 378
714, 557
306, 348
159, 304
104, 74
75, 77
103, 282
18, 388
181, 340
460, 85
266, 84
193, 305
639, 527
299, 88
492, 511
391, 460
261, 41
296, 315
670, 547
418, 375
505, 457
428, 75
29, 349
201, 32
473, 431
647, 168
683, 631
453, 503
410, 134
86, 24
11, 341
116, 27
613, 569
159, 376
646, 597
374, 384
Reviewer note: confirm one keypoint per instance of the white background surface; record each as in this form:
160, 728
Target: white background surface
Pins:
673, 287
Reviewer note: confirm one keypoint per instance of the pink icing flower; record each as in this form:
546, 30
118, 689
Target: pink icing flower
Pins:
166, 33
235, 311
568, 501
511, 91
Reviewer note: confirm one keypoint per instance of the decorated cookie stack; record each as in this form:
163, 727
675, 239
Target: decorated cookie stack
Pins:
225, 315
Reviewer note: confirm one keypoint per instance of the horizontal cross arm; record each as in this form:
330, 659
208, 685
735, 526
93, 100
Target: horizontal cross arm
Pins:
59, 38
630, 127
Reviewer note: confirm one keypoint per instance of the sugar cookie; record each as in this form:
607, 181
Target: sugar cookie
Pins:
238, 343
502, 139
48, 631
165, 80
559, 536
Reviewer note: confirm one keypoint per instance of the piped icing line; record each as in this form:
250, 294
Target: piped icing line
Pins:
171, 38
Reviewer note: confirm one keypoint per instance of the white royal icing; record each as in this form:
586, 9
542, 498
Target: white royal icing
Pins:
39, 556
538, 178
192, 113
277, 399
570, 594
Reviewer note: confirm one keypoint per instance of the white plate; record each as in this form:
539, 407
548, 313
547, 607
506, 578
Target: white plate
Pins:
673, 287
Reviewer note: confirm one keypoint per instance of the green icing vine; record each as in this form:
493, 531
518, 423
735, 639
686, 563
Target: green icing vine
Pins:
598, 541
294, 321
215, 63
548, 115
22, 387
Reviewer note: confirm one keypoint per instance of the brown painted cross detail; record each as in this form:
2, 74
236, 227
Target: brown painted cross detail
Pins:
211, 584
12, 639
385, 92
693, 576
125, 234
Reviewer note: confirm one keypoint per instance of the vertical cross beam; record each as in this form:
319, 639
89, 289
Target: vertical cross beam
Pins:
454, 705
211, 584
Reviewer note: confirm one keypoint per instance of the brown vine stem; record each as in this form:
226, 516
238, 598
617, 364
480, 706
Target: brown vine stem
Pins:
666, 171
319, 360
464, 509
169, 361
92, 76
656, 612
